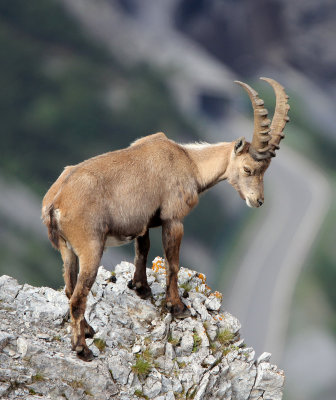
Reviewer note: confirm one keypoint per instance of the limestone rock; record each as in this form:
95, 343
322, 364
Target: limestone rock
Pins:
141, 351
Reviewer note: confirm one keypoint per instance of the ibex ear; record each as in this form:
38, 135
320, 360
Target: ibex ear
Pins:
239, 145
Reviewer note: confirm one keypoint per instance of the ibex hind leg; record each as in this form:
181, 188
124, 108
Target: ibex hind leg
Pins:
70, 267
139, 281
70, 274
89, 258
172, 233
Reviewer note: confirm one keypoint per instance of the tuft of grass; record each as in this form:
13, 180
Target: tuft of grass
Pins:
179, 396
57, 338
173, 341
206, 327
100, 344
32, 391
139, 393
147, 340
37, 378
142, 366
76, 384
225, 337
197, 342
228, 349
147, 355
213, 346
186, 286
181, 364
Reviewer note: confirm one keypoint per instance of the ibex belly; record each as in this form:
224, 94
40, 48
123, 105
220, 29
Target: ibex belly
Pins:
114, 241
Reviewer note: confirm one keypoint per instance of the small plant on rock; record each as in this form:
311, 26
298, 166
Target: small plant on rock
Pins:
37, 378
230, 348
139, 393
173, 341
142, 367
147, 340
147, 355
197, 342
100, 344
181, 364
186, 286
76, 384
179, 396
225, 337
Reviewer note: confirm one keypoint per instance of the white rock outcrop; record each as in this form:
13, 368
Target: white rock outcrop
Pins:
140, 351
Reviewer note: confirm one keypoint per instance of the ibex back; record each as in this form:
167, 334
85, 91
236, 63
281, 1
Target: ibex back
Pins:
116, 197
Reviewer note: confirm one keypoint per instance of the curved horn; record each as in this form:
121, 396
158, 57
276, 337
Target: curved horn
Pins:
260, 147
280, 117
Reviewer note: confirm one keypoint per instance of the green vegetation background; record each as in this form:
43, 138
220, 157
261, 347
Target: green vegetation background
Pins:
63, 99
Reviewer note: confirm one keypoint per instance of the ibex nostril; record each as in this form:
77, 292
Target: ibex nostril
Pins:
260, 202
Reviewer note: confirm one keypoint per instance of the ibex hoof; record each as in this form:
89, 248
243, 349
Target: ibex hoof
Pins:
130, 284
142, 291
84, 353
178, 311
112, 279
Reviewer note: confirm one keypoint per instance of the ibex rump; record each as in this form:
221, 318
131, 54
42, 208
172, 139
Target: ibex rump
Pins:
116, 197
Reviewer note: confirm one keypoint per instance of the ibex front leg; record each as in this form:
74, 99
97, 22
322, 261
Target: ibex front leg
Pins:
139, 281
172, 233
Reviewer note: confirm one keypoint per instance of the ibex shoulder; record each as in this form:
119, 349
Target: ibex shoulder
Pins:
154, 136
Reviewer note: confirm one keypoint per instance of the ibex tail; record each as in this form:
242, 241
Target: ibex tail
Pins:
51, 223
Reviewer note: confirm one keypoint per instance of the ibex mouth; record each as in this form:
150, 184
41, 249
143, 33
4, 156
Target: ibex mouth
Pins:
253, 204
248, 202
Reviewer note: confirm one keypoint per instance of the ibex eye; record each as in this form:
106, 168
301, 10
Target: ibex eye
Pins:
247, 170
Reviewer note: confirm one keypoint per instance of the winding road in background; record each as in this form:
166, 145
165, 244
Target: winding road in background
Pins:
274, 248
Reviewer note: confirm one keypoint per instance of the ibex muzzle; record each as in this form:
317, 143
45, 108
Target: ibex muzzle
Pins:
117, 197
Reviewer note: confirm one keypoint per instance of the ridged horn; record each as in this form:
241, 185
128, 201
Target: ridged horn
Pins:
280, 117
260, 147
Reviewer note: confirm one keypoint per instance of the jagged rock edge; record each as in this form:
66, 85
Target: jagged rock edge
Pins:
95, 304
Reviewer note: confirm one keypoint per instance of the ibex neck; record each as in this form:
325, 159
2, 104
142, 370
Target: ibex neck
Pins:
211, 160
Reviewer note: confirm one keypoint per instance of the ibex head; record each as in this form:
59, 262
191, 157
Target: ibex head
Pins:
249, 161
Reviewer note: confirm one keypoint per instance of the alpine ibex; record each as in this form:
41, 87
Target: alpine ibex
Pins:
116, 197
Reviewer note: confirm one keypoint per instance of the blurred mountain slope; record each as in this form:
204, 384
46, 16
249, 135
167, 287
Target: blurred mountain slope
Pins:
65, 98
301, 33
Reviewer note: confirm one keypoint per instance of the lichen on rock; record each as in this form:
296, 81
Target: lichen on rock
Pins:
141, 352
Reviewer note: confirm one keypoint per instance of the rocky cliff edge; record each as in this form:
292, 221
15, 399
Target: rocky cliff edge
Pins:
140, 351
